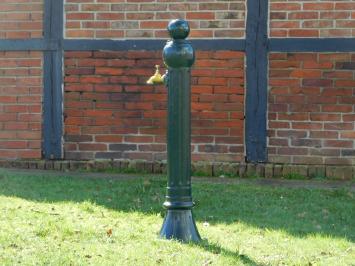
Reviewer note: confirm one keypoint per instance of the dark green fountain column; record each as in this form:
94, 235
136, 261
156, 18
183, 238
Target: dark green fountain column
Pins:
179, 56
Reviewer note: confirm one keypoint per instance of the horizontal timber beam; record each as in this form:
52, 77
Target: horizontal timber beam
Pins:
28, 45
312, 45
124, 45
274, 44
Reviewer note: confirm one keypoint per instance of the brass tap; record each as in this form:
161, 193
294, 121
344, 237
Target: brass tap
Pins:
156, 78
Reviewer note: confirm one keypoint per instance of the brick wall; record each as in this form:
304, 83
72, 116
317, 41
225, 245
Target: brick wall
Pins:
20, 105
311, 108
110, 113
21, 19
307, 18
148, 19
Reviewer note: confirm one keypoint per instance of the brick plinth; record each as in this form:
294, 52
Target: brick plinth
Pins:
270, 170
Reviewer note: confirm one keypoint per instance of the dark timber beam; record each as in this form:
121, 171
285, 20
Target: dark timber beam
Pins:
53, 80
124, 45
312, 45
28, 45
274, 44
256, 80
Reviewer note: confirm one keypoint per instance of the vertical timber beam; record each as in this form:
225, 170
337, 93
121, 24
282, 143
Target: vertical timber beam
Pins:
256, 92
53, 80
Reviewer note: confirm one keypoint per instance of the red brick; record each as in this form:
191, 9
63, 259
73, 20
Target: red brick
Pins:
108, 138
80, 33
303, 15
278, 124
349, 117
318, 6
79, 87
92, 147
307, 125
324, 134
306, 73
337, 108
139, 106
107, 88
345, 83
338, 143
311, 14
293, 117
303, 33
348, 135
285, 6
292, 151
108, 71
29, 154
200, 15
13, 144
29, 135
325, 117
338, 126
93, 79
344, 6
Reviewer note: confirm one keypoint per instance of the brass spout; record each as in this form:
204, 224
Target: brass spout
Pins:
156, 78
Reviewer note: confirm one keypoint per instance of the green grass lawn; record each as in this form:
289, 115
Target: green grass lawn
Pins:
50, 220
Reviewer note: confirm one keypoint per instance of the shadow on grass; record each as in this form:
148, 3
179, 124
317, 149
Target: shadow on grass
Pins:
299, 212
216, 249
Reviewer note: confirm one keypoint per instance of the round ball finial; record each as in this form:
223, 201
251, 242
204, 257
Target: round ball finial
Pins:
178, 29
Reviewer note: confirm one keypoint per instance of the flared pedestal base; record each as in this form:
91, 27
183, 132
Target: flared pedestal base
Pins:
180, 225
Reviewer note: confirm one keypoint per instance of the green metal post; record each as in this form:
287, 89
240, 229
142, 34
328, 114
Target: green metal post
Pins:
179, 56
